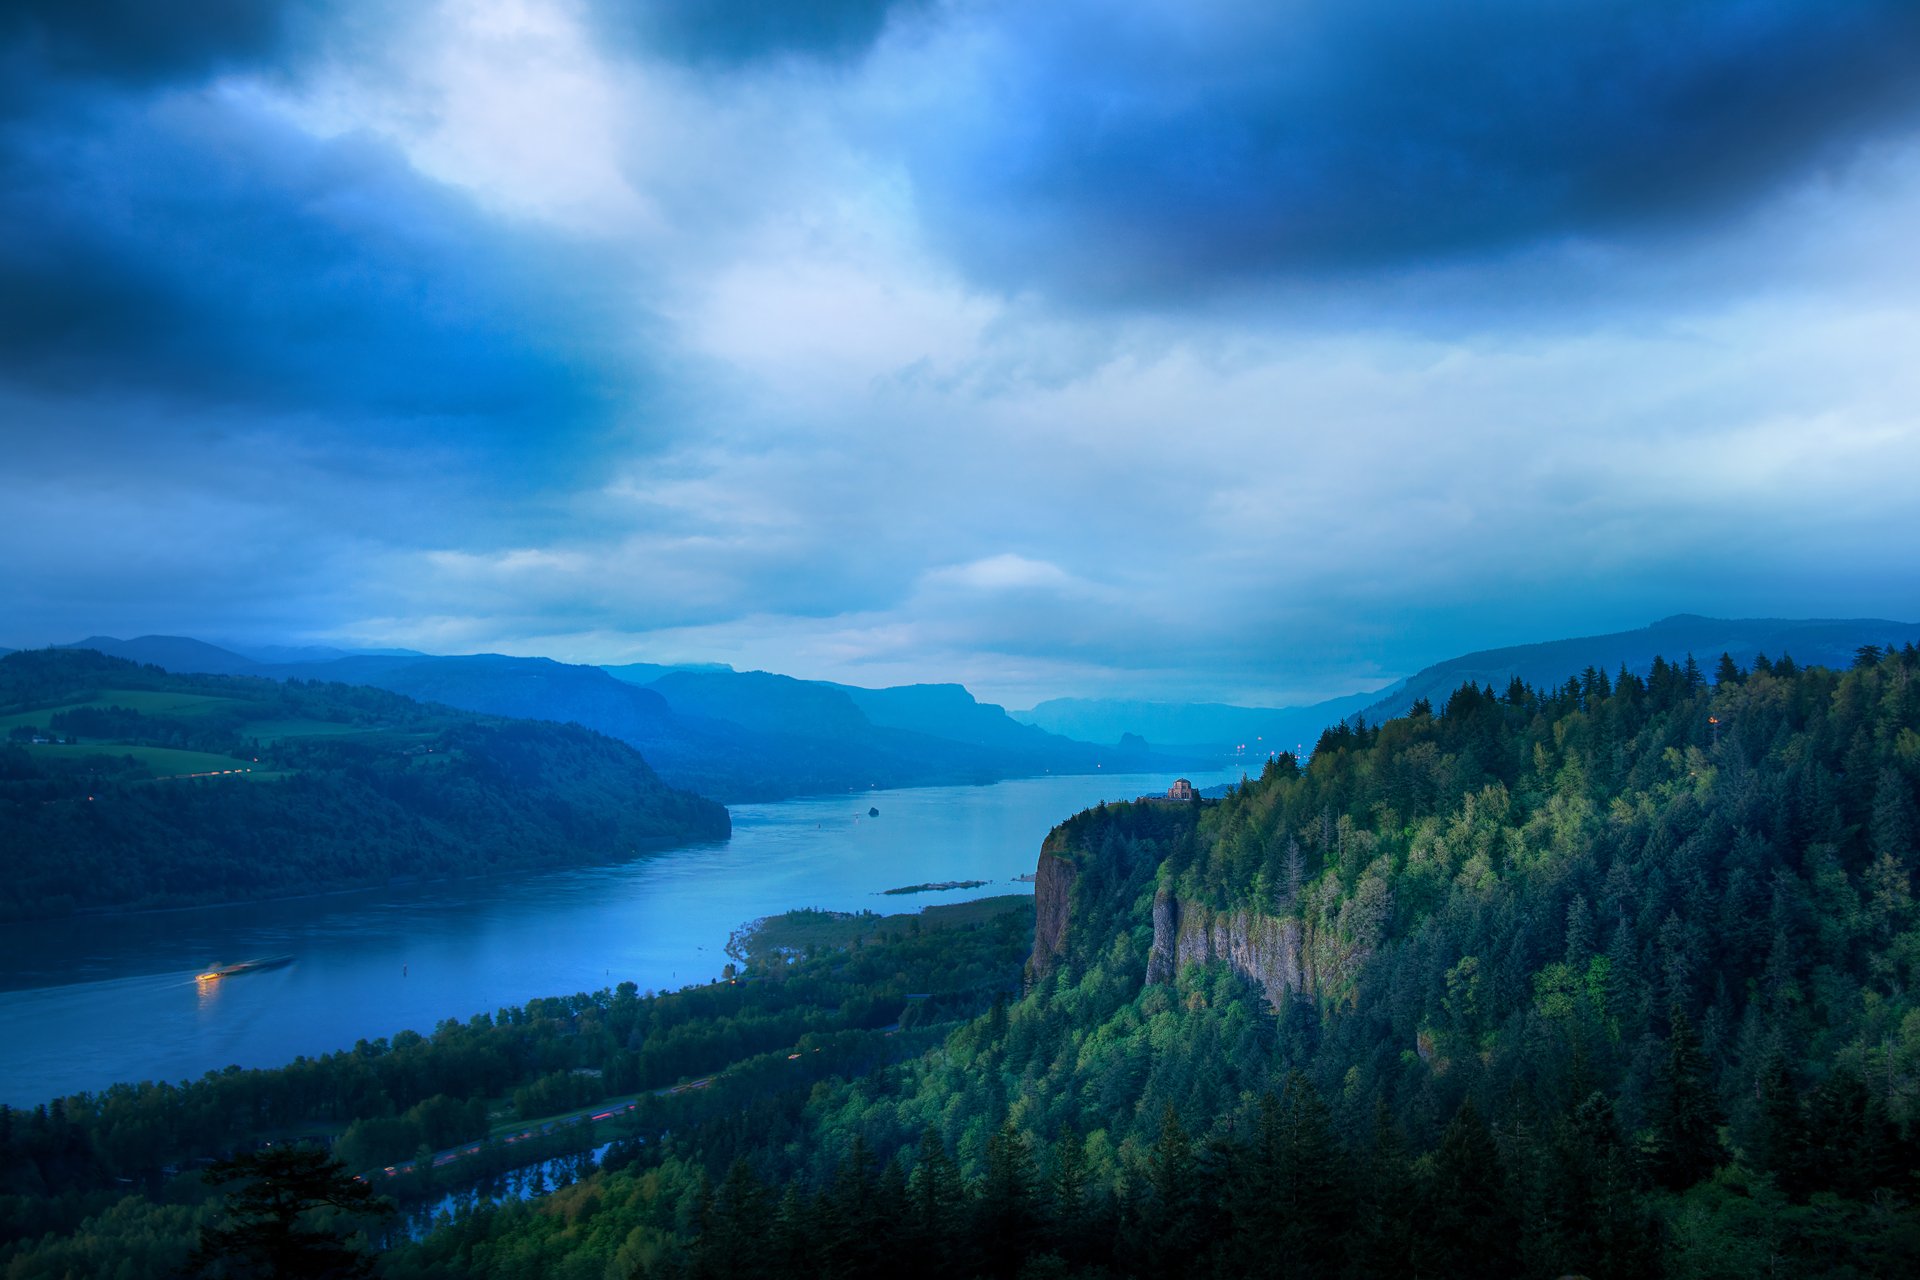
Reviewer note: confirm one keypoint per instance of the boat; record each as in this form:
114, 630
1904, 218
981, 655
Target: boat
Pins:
245, 966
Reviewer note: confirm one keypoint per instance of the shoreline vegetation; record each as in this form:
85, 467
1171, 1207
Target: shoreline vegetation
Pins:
794, 933
115, 1176
934, 886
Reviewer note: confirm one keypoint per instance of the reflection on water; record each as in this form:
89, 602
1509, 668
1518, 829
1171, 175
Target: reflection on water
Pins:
84, 1003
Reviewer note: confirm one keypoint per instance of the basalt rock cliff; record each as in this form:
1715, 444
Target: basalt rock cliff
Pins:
1264, 949
1093, 874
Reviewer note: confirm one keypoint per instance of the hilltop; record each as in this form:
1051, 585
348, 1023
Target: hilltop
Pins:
127, 786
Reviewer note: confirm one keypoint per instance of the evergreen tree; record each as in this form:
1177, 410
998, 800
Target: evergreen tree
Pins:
1470, 1224
1169, 1231
936, 1205
1685, 1141
1387, 1196
1604, 1231
1580, 933
1004, 1214
293, 1213
736, 1226
1069, 1216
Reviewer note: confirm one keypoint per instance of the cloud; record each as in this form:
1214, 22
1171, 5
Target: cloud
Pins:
190, 248
1162, 152
783, 336
144, 42
748, 31
1005, 572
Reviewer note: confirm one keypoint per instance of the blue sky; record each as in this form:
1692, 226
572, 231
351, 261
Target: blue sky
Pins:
1231, 350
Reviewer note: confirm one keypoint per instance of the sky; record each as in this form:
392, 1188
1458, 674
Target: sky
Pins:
1247, 350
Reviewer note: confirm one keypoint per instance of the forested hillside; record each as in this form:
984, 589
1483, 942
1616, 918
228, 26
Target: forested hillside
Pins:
1613, 979
124, 786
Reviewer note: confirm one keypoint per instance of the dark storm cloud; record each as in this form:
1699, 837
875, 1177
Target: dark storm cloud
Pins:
738, 32
1155, 153
148, 41
183, 248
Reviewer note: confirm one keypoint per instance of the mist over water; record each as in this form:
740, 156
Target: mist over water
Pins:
90, 1002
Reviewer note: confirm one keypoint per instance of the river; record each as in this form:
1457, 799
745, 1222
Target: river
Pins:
87, 1002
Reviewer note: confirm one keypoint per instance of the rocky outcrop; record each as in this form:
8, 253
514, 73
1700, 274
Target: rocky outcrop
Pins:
1265, 949
1052, 898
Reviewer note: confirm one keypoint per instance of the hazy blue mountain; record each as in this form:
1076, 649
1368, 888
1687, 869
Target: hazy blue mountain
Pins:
648, 672
524, 688
737, 736
274, 654
1212, 725
179, 654
914, 733
950, 711
1821, 641
764, 702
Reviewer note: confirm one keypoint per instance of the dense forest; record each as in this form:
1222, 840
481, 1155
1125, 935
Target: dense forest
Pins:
123, 786
107, 1183
1615, 978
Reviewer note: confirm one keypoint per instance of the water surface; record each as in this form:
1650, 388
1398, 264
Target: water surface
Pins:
85, 1003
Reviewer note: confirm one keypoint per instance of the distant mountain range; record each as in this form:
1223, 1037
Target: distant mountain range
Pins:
1213, 726
754, 735
730, 735
1196, 726
1826, 642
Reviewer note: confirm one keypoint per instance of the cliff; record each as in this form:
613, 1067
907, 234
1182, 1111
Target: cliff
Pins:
1264, 949
1268, 950
1052, 908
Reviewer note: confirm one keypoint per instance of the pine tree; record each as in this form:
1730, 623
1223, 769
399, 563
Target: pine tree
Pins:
1580, 933
936, 1199
292, 1214
1068, 1216
1469, 1222
1777, 1139
1605, 1232
1387, 1197
1169, 1233
1685, 1145
1004, 1214
735, 1225
1311, 1185
1893, 819
1853, 1148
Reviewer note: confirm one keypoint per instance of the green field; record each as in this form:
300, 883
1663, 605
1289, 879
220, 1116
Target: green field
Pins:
159, 762
151, 702
267, 731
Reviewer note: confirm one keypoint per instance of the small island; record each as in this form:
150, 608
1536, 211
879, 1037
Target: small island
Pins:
935, 888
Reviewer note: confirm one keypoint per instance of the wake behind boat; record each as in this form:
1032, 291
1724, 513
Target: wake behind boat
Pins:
245, 966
